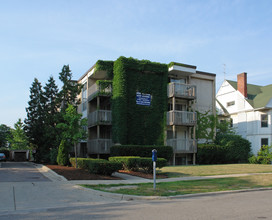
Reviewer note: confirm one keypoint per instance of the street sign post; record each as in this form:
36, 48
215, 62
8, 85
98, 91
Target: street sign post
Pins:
154, 159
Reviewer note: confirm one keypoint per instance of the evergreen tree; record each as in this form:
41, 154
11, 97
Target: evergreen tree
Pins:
70, 89
34, 123
18, 139
52, 117
63, 154
5, 132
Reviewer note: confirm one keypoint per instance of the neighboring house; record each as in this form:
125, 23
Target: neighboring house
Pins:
187, 91
249, 107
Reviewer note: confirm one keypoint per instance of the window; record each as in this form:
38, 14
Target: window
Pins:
264, 141
231, 122
230, 103
84, 97
264, 120
182, 80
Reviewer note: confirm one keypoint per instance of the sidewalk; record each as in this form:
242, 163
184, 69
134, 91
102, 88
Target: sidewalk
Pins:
129, 179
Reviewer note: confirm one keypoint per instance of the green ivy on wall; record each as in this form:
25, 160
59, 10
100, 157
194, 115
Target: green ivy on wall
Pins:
106, 66
132, 123
105, 87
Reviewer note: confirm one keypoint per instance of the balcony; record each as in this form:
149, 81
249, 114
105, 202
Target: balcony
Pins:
179, 90
99, 146
182, 145
99, 117
103, 90
181, 118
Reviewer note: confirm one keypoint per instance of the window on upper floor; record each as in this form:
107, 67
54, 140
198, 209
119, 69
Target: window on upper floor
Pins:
230, 103
84, 97
181, 80
264, 120
264, 141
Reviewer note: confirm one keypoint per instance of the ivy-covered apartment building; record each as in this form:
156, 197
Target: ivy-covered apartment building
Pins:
138, 102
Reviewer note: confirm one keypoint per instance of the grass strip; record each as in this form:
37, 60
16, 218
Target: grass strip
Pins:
210, 170
188, 187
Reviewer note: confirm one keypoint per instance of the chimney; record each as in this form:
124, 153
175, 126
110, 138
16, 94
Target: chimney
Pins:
242, 83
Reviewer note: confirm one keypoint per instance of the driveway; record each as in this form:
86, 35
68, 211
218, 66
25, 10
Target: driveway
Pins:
25, 188
20, 172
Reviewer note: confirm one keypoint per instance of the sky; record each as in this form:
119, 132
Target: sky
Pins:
38, 37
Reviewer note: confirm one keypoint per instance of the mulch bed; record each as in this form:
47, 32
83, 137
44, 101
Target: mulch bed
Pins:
71, 173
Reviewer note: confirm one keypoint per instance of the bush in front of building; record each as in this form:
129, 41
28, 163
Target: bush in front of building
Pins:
165, 152
144, 164
264, 156
97, 166
63, 156
210, 154
228, 148
237, 149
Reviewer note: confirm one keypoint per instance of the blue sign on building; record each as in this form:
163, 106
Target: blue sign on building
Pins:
143, 99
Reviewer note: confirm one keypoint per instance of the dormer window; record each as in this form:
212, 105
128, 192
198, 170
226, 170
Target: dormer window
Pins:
230, 103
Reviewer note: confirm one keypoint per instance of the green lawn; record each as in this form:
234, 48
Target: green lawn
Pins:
189, 187
210, 170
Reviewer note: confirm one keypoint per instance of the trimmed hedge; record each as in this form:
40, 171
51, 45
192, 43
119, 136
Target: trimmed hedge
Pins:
97, 166
165, 152
137, 163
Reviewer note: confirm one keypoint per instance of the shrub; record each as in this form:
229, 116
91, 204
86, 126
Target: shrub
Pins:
210, 154
264, 156
97, 166
53, 155
63, 157
128, 163
139, 163
141, 151
237, 149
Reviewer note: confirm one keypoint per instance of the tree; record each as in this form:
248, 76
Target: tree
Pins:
5, 132
70, 89
72, 128
18, 138
52, 115
205, 128
209, 126
34, 123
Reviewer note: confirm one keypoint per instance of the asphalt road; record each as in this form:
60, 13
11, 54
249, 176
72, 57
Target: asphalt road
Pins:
20, 172
239, 206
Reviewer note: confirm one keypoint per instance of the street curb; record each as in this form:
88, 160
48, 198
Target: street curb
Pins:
187, 196
47, 172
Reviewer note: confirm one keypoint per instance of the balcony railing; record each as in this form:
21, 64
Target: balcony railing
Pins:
99, 146
99, 117
181, 118
95, 89
185, 91
182, 145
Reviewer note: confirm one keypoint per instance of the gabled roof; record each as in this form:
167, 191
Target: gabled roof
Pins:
258, 96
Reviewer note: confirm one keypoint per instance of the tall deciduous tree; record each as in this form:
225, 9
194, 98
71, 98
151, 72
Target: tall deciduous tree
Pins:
72, 128
18, 139
70, 89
